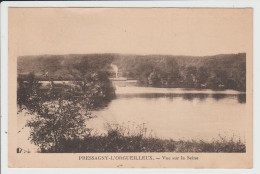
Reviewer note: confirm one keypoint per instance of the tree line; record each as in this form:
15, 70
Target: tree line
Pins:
226, 72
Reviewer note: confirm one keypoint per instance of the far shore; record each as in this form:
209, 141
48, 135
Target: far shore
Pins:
149, 90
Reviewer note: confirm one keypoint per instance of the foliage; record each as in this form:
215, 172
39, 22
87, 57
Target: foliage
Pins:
60, 110
223, 145
28, 92
224, 71
216, 72
56, 121
118, 139
96, 88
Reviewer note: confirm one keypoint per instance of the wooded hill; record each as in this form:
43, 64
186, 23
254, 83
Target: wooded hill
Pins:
226, 71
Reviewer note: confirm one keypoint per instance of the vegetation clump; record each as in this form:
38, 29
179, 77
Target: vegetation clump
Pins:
60, 112
117, 139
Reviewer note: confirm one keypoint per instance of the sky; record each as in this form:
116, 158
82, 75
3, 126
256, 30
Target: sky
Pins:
172, 31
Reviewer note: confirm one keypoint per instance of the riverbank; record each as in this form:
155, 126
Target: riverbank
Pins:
114, 143
149, 90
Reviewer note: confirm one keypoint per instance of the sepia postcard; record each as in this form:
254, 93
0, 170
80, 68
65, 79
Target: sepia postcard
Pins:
130, 88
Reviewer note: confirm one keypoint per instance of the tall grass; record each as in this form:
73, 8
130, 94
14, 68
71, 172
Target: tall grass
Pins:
124, 139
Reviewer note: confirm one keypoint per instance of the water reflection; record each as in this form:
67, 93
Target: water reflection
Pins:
241, 98
190, 97
219, 96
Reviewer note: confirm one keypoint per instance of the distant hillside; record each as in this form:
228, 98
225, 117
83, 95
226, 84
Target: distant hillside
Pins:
156, 70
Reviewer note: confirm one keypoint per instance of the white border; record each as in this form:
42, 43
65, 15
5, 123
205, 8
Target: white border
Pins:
199, 3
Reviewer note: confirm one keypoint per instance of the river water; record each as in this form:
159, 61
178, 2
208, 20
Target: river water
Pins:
175, 113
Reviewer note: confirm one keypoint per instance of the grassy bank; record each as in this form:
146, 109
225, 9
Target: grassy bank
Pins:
114, 141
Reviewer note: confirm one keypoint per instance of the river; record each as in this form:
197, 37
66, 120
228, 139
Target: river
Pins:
176, 113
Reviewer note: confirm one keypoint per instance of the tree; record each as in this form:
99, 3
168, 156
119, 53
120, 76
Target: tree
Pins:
92, 80
171, 71
202, 76
56, 122
59, 116
191, 74
154, 79
28, 90
61, 112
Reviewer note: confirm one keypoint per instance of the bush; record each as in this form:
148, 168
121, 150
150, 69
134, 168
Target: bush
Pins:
120, 139
55, 122
60, 111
